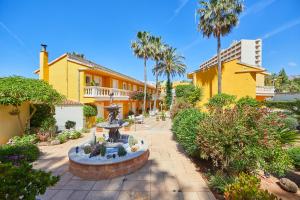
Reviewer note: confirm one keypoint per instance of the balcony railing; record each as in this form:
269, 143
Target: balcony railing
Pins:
103, 92
265, 90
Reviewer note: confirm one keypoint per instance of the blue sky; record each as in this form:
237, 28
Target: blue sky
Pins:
103, 31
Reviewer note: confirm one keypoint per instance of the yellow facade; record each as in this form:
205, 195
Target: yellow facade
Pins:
237, 79
9, 124
69, 76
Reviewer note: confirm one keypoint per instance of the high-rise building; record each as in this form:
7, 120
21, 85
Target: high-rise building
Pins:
246, 51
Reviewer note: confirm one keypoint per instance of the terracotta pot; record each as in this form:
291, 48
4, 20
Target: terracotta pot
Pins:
126, 128
43, 137
99, 129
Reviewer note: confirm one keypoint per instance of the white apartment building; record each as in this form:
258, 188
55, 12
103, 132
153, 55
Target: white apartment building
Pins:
246, 51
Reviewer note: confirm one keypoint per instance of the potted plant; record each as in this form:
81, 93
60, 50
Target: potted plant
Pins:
46, 129
99, 120
130, 122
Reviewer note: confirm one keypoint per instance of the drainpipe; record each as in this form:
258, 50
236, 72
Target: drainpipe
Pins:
79, 70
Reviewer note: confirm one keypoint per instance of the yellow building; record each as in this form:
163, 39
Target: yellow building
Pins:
86, 82
238, 79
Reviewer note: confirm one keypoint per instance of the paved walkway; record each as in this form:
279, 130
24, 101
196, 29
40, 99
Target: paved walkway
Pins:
169, 174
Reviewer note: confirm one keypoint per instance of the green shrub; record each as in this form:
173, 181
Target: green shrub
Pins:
247, 187
48, 125
189, 93
219, 181
99, 120
25, 139
89, 110
294, 154
121, 151
243, 141
220, 101
185, 129
63, 137
290, 122
29, 151
101, 139
73, 134
180, 104
87, 149
43, 111
247, 101
70, 124
23, 182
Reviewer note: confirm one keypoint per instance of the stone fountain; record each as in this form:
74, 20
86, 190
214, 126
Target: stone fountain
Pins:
114, 123
116, 155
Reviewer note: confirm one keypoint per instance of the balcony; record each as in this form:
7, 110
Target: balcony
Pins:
102, 93
265, 90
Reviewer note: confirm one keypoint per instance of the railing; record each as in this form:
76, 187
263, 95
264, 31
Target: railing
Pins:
96, 91
265, 90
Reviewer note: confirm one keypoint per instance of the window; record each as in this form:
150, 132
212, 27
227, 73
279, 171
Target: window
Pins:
124, 86
129, 86
141, 89
88, 80
134, 88
98, 81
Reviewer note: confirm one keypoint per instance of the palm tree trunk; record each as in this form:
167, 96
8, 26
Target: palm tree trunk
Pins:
156, 87
169, 91
219, 66
145, 85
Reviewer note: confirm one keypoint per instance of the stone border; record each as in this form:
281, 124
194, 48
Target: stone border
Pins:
107, 171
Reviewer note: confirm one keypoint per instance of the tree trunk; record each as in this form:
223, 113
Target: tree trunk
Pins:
168, 91
156, 87
145, 85
219, 66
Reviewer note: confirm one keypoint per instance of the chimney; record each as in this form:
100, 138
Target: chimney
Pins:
44, 69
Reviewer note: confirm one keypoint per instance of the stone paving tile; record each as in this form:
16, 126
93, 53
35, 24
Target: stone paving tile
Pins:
62, 195
169, 173
136, 186
48, 194
103, 195
206, 195
78, 195
101, 185
115, 184
79, 185
134, 195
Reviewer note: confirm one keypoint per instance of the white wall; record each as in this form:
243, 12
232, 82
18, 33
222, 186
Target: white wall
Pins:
64, 113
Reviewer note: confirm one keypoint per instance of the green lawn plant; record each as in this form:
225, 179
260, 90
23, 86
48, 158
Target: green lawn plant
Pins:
247, 187
185, 129
294, 153
180, 104
188, 93
220, 101
25, 139
23, 182
244, 140
29, 152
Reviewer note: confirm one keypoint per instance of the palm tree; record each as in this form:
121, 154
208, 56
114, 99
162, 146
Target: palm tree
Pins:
157, 55
217, 18
170, 66
142, 49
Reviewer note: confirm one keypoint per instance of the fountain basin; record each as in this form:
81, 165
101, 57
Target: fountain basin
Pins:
98, 168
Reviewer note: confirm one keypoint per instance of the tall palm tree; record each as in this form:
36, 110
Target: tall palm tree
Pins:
142, 49
170, 66
217, 18
157, 55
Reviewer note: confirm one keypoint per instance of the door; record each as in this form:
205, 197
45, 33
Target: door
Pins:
98, 81
115, 84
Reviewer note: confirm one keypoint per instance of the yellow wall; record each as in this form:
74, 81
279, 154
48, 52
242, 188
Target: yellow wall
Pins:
44, 68
64, 76
260, 79
9, 124
238, 84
